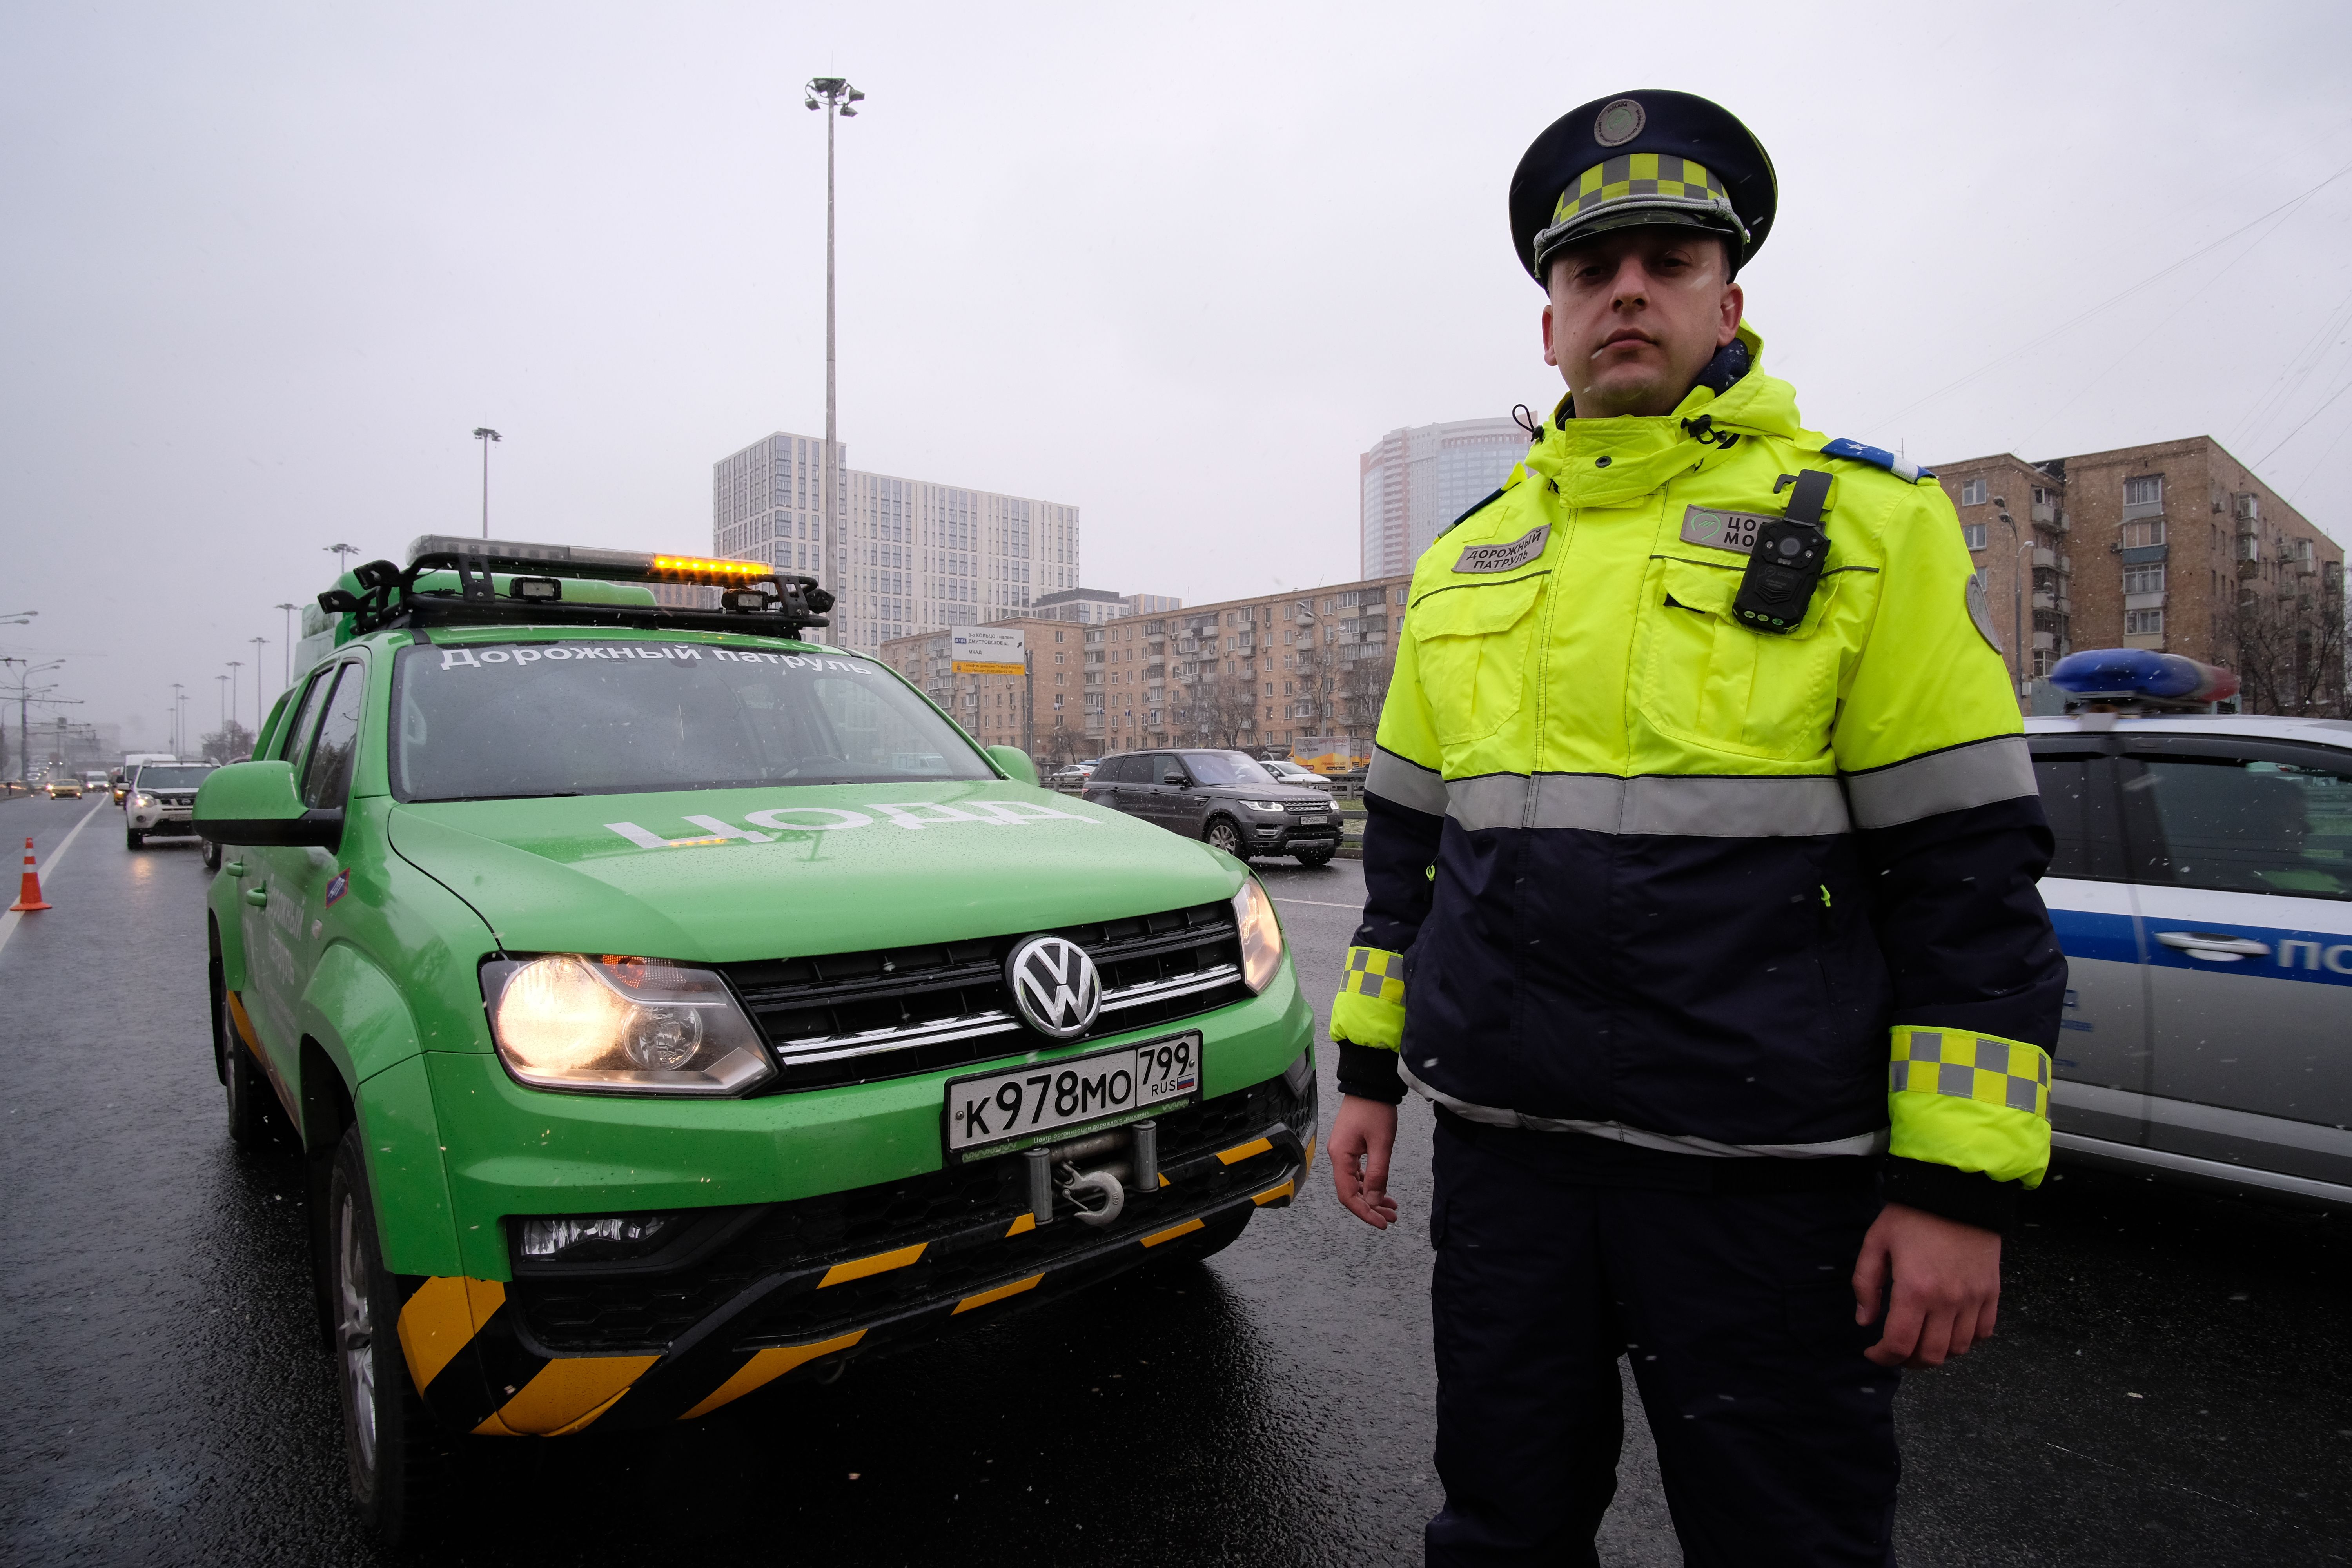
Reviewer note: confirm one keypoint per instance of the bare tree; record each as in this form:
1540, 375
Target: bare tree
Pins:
1061, 742
226, 744
1362, 686
2290, 650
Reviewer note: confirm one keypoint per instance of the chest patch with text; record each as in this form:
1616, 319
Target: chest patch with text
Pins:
1722, 530
1505, 557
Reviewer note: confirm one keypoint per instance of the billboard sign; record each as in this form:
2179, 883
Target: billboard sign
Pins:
987, 650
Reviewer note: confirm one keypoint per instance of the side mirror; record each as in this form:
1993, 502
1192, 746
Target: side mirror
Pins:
1174, 776
1015, 763
257, 803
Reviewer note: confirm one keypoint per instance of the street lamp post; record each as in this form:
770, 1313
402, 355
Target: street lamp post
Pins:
259, 644
485, 435
289, 608
223, 681
179, 716
839, 100
341, 552
2016, 588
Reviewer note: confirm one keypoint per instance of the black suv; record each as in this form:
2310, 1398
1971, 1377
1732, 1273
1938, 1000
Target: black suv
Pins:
1224, 797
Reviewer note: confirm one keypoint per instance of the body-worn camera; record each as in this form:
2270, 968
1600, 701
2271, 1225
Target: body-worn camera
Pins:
1785, 565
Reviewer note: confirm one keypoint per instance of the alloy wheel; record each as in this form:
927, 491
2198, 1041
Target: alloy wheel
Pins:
355, 1329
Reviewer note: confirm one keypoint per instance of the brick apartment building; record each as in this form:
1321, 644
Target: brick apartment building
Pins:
2175, 545
1269, 671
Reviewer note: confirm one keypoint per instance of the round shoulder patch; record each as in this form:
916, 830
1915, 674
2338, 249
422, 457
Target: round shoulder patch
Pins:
1980, 612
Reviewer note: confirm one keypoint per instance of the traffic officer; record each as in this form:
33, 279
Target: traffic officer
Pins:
1700, 903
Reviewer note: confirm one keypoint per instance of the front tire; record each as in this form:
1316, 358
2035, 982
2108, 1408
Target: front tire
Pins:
1222, 834
133, 838
393, 1453
212, 854
1312, 857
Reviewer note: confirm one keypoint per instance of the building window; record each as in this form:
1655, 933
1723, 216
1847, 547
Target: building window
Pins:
2147, 491
2144, 623
2144, 579
1974, 532
1972, 492
2140, 535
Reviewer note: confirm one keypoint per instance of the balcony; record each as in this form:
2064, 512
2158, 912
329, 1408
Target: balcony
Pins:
2045, 558
2139, 509
2248, 569
2045, 512
2041, 601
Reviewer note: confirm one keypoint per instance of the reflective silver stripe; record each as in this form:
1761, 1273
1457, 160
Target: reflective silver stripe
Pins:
1974, 774
1408, 783
1617, 1131
1800, 806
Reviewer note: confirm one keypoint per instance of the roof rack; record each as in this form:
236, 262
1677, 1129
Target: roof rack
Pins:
753, 597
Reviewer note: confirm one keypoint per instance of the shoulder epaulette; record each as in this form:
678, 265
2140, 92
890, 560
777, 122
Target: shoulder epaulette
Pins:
1466, 516
1877, 457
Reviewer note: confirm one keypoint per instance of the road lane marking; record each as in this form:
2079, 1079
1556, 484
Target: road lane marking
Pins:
8, 921
1320, 904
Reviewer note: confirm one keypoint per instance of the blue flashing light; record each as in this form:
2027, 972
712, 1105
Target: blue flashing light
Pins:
2141, 675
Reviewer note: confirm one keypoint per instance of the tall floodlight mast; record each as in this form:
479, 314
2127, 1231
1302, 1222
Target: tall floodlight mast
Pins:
839, 100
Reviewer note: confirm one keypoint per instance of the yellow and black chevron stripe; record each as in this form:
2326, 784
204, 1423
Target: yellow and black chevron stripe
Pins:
472, 1359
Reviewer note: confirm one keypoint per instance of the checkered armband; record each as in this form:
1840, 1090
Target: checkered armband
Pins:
1369, 1008
1970, 1101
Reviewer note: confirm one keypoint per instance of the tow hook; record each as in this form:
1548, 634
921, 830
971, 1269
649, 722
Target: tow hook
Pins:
1114, 1196
1098, 1195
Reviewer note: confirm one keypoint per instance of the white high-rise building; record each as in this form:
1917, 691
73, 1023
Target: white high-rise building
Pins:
1418, 479
911, 555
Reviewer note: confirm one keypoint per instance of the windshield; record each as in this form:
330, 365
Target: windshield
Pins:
172, 778
1225, 768
498, 722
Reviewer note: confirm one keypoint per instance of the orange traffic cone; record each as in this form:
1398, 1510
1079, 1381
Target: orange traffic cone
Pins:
28, 897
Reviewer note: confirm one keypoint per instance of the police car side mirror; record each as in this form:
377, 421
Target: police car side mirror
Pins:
1016, 763
257, 803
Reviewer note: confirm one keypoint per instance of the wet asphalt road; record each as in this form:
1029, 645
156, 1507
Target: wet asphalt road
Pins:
2169, 1386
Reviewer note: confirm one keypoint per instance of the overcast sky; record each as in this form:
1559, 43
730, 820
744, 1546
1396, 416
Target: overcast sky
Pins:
264, 267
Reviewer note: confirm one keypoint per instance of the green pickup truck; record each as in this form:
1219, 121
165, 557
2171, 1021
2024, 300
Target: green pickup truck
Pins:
669, 1004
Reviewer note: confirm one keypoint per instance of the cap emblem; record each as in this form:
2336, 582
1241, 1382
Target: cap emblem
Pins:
1619, 121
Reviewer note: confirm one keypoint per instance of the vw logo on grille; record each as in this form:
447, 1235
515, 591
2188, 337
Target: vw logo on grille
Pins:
1055, 985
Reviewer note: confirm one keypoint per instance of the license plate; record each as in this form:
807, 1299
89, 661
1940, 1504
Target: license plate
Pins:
1316, 820
1001, 1111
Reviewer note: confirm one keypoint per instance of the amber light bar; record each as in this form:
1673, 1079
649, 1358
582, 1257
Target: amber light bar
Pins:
734, 571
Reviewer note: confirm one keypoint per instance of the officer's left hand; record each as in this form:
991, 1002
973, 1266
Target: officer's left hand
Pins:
1946, 1280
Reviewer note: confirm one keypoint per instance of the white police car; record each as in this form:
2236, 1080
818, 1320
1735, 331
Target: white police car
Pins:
2202, 891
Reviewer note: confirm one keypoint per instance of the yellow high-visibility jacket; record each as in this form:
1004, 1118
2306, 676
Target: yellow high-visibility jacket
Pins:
1635, 870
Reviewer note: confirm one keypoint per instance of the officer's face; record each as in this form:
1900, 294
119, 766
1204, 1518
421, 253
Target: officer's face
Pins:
1634, 315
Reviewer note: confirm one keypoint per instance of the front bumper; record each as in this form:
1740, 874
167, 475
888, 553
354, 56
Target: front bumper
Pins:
796, 1288
1269, 835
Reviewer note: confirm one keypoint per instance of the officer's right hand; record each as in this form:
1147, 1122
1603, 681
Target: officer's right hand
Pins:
1365, 1132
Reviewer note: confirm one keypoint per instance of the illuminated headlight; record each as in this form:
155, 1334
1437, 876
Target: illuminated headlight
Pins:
1261, 937
623, 1025
143, 801
1263, 804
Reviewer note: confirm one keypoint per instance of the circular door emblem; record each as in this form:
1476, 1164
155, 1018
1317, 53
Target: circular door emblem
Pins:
1619, 123
1055, 986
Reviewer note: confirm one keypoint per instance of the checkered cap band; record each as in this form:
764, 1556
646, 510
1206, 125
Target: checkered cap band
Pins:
1375, 973
1965, 1065
1645, 176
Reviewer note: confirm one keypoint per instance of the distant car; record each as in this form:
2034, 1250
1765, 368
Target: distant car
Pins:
1292, 773
2202, 892
1227, 799
162, 800
1075, 773
65, 789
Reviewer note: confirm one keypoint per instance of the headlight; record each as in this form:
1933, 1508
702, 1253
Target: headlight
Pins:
1261, 936
143, 801
626, 1026
1275, 806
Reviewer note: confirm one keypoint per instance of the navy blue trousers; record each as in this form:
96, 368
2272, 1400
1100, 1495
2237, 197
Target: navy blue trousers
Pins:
1775, 1437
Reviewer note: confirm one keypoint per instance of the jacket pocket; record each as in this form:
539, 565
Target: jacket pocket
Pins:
1706, 680
1473, 645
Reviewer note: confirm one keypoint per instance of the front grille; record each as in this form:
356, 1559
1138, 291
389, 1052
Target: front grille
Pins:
1308, 806
857, 1017
579, 1315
